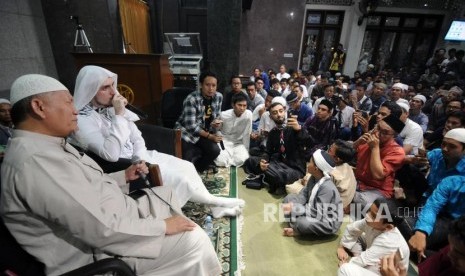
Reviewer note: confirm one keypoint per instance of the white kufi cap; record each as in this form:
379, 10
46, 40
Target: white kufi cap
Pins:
458, 134
33, 84
280, 100
404, 106
420, 97
2, 101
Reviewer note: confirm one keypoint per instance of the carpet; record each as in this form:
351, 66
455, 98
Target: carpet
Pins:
225, 238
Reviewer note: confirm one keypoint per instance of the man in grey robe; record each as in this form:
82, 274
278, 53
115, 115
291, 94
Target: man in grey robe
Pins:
63, 210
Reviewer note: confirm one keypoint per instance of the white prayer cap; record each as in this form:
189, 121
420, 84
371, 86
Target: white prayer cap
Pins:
323, 161
458, 134
337, 74
88, 81
420, 98
371, 66
404, 106
33, 84
280, 100
456, 89
400, 86
2, 100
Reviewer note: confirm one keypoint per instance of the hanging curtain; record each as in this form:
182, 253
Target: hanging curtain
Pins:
135, 20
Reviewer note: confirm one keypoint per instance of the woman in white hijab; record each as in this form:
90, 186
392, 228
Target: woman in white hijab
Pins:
107, 129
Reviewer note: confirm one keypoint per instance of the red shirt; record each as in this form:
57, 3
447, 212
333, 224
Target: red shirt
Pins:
392, 157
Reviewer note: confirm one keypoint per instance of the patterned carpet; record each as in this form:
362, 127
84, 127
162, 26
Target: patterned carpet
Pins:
225, 238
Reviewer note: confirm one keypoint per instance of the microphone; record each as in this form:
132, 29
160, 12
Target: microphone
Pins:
137, 111
136, 160
222, 144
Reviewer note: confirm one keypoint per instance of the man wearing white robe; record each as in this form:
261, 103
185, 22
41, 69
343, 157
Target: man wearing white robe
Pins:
63, 210
107, 129
236, 130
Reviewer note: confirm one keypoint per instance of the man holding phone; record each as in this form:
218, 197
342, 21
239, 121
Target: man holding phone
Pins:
283, 161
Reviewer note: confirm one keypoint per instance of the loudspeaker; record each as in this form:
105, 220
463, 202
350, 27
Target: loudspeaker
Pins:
246, 5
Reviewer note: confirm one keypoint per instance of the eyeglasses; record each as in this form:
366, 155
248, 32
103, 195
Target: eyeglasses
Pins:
385, 132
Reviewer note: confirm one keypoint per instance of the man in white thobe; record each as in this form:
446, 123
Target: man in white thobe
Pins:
236, 130
106, 128
63, 210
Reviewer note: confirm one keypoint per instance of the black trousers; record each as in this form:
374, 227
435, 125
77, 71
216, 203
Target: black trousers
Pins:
201, 154
277, 175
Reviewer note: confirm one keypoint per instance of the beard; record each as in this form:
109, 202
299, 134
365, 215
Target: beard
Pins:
278, 121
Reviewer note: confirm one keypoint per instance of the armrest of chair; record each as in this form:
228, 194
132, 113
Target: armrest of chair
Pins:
162, 139
155, 175
102, 267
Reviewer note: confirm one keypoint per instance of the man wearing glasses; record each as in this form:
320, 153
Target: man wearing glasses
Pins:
378, 158
260, 84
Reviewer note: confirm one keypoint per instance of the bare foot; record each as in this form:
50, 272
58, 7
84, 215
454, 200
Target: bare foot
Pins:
288, 232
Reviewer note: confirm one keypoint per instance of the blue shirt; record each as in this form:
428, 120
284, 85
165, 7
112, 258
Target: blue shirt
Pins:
192, 119
438, 170
421, 119
448, 198
304, 113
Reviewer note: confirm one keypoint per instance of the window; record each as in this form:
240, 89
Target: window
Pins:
395, 41
321, 36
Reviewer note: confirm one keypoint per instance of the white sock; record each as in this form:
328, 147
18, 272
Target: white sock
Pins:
202, 195
227, 202
219, 212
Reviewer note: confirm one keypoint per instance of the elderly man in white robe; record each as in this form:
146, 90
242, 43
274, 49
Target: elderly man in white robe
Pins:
63, 210
236, 130
106, 128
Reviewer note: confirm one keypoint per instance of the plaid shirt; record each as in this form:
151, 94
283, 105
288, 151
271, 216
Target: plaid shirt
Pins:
192, 120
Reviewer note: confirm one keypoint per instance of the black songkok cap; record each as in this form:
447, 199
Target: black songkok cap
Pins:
396, 124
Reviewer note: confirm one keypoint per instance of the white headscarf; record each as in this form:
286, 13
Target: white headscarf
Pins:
88, 82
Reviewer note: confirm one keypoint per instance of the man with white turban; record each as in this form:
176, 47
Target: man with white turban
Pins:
63, 210
107, 128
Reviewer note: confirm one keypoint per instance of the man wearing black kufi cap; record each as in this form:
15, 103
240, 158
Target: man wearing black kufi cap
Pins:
378, 158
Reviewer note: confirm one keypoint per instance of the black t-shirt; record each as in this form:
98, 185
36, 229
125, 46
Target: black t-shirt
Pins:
207, 102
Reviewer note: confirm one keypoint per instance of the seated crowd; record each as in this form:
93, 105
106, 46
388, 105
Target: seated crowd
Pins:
388, 150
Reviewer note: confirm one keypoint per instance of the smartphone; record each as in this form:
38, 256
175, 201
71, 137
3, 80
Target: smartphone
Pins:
364, 114
290, 113
398, 257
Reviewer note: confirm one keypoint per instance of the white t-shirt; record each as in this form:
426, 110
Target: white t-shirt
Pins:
412, 134
279, 76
